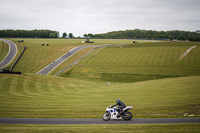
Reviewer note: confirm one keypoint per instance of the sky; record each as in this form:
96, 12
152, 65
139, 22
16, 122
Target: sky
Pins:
100, 16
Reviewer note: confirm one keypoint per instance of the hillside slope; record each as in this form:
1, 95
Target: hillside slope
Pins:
139, 62
37, 96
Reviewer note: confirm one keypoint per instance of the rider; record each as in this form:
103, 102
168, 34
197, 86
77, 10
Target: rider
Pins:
121, 106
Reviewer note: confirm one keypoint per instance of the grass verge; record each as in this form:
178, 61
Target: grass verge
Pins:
161, 128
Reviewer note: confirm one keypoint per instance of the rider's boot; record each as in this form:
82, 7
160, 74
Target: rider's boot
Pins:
119, 113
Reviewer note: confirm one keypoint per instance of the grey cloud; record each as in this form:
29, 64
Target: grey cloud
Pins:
98, 16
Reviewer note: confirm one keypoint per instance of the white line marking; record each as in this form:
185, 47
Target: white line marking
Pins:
183, 55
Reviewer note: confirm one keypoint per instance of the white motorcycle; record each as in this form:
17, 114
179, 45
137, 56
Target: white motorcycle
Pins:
112, 113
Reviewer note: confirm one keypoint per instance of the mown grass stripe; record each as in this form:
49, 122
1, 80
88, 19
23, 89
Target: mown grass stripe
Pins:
4, 81
127, 128
27, 88
13, 88
176, 94
151, 60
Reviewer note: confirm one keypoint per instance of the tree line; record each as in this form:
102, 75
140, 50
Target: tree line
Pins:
128, 34
29, 33
148, 34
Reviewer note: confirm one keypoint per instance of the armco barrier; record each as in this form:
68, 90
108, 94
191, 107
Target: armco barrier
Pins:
11, 69
8, 72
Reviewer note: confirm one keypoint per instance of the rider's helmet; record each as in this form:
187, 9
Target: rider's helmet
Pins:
117, 100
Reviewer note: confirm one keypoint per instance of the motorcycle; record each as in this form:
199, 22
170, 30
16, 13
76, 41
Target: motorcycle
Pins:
112, 113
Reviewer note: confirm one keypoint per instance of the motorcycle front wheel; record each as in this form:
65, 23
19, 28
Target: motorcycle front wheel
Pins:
127, 116
106, 117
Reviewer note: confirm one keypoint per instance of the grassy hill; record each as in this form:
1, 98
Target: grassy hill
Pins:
38, 96
82, 92
37, 56
139, 62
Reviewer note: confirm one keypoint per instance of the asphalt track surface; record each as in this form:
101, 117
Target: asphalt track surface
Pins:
64, 57
96, 121
11, 54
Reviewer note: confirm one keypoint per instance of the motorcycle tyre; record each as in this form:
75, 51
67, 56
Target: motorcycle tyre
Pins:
129, 118
109, 116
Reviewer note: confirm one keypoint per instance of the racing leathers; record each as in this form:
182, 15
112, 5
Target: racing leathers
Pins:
121, 106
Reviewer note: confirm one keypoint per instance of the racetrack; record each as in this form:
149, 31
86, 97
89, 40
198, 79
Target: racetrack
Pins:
96, 121
11, 54
64, 57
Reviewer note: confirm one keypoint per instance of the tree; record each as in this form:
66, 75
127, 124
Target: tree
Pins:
91, 35
70, 35
64, 35
52, 35
85, 35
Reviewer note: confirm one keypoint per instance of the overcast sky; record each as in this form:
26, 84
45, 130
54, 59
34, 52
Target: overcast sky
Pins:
100, 16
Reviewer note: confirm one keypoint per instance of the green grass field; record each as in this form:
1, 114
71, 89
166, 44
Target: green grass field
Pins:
167, 88
173, 94
138, 62
37, 56
36, 96
70, 60
162, 128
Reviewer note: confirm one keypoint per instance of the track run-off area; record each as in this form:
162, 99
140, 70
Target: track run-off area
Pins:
52, 121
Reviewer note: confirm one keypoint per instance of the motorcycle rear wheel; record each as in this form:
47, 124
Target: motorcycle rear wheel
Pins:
127, 116
106, 117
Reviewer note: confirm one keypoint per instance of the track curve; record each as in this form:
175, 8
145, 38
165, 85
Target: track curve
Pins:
11, 54
64, 57
96, 121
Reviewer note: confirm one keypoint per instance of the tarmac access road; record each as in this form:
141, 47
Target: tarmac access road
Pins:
11, 54
64, 57
52, 121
